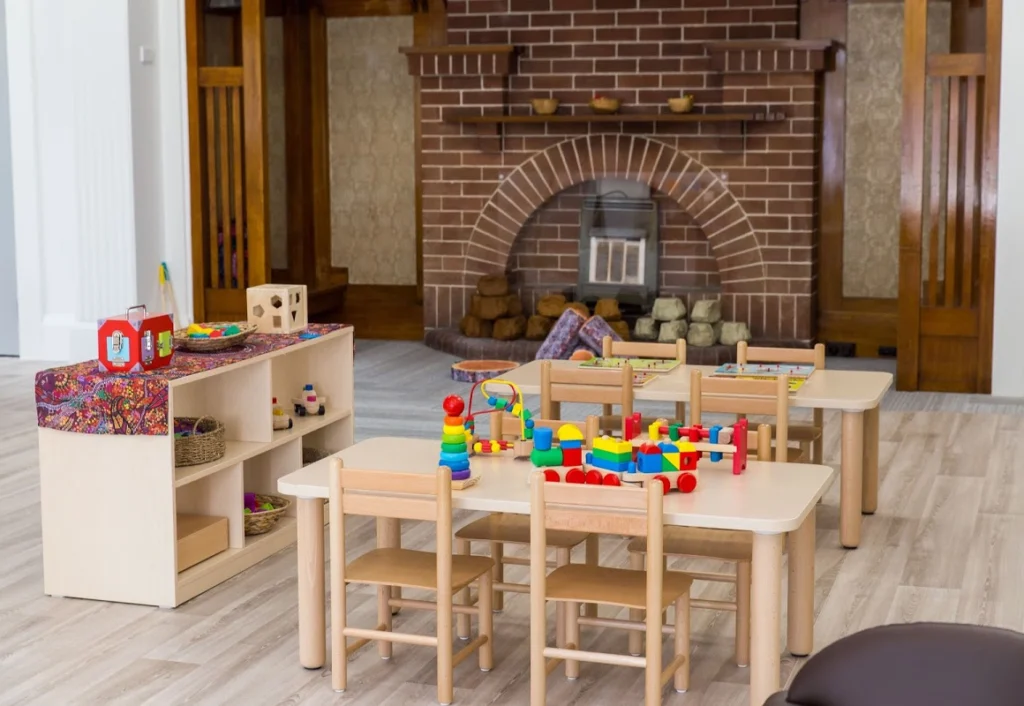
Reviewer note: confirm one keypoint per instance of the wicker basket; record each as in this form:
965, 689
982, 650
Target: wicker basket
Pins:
682, 104
212, 345
311, 455
205, 444
263, 522
545, 106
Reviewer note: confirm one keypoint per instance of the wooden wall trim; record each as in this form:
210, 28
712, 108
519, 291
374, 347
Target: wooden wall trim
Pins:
989, 191
194, 49
254, 107
348, 8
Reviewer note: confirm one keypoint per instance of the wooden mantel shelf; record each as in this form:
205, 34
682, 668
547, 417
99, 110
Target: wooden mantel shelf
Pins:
769, 45
455, 49
619, 118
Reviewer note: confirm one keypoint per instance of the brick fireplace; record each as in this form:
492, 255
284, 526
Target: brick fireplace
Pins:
738, 199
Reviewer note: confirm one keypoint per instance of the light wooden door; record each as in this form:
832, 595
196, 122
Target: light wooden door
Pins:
947, 212
227, 155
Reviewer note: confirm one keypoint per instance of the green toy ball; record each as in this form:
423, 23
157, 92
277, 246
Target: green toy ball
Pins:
268, 506
231, 330
246, 511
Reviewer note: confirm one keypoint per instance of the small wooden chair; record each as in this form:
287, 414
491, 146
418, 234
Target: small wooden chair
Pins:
499, 529
662, 351
604, 387
810, 436
724, 545
744, 397
627, 511
407, 496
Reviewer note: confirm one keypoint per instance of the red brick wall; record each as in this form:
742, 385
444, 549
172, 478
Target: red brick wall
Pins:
643, 52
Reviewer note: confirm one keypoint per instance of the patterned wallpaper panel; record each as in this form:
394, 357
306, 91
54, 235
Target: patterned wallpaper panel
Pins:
874, 104
373, 220
277, 170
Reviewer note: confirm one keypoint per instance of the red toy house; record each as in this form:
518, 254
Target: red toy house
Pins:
135, 341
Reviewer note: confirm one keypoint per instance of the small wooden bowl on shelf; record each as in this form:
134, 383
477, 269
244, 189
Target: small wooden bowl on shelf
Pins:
545, 106
682, 104
604, 106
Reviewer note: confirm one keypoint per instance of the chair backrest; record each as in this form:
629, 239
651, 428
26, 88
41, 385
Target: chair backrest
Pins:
796, 356
746, 397
634, 349
558, 384
914, 664
405, 496
634, 512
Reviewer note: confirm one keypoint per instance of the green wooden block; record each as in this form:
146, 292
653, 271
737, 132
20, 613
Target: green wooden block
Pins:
551, 457
612, 457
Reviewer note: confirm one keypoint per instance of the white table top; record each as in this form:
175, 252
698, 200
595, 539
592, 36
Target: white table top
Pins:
769, 498
853, 390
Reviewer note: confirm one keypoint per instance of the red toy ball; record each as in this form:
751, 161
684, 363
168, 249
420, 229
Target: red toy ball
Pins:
594, 477
687, 482
612, 479
453, 405
551, 475
575, 475
665, 485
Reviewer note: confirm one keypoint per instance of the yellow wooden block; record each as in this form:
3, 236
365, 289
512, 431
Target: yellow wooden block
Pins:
611, 445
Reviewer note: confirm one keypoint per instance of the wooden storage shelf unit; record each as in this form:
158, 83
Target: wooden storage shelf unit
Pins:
127, 551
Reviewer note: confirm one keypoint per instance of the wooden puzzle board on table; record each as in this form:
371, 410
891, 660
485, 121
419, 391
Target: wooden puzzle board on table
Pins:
763, 370
647, 365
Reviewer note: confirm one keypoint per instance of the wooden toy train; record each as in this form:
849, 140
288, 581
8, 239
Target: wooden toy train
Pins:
668, 456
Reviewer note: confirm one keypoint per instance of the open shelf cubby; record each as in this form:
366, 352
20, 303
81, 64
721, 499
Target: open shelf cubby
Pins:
128, 551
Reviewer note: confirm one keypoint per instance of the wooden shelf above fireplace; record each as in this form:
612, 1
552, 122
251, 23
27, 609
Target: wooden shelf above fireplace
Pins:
619, 118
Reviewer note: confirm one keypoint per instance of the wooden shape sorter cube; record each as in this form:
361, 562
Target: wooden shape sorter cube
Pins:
277, 308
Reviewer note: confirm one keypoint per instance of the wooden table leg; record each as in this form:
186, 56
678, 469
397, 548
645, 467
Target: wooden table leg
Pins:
800, 614
869, 502
851, 478
312, 623
389, 536
765, 617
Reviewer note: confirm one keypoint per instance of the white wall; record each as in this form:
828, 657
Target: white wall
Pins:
8, 275
1008, 338
98, 200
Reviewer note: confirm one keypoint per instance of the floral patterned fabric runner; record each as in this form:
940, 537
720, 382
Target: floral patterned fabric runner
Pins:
83, 399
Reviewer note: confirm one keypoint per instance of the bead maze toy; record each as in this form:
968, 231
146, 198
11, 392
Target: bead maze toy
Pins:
513, 404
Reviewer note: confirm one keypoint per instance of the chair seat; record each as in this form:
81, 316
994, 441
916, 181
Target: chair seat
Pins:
515, 529
622, 587
727, 545
411, 569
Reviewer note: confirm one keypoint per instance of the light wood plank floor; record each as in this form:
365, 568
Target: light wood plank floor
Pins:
944, 546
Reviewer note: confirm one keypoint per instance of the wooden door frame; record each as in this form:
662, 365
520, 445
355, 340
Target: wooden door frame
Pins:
911, 194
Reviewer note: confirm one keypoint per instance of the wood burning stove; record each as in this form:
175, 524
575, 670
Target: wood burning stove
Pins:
618, 249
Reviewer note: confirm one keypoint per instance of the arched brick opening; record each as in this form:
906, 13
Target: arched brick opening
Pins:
698, 191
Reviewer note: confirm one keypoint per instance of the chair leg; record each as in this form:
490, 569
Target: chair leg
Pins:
445, 669
593, 554
462, 546
384, 618
339, 644
572, 638
742, 613
805, 451
485, 618
636, 638
562, 558
652, 666
819, 443
538, 639
498, 554
681, 679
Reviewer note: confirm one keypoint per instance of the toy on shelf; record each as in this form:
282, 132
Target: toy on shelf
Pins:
136, 341
212, 331
281, 420
277, 308
521, 447
455, 439
308, 403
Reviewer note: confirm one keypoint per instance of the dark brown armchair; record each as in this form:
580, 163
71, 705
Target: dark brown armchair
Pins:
915, 664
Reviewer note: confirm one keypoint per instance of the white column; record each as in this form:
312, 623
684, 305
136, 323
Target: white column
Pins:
1008, 331
72, 167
